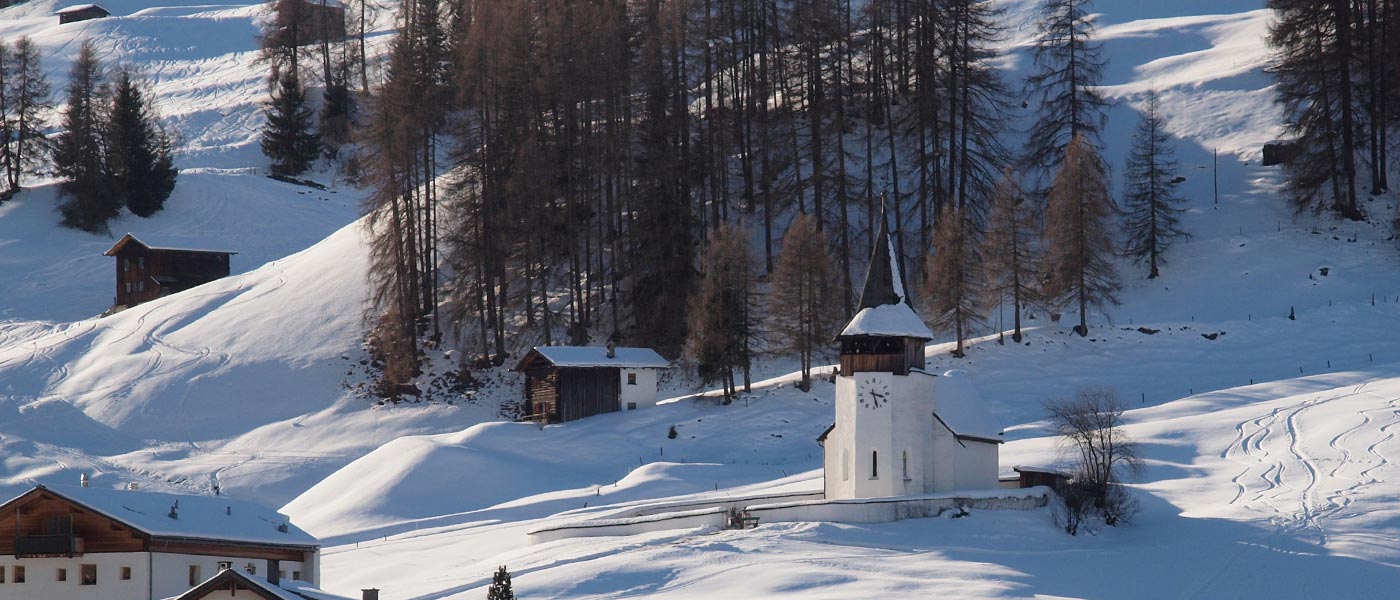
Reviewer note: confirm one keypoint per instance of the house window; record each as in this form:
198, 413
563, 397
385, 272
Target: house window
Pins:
2, 574
296, 575
19, 574
126, 573
61, 575
631, 379
88, 575
126, 265
874, 464
128, 287
140, 286
251, 568
281, 574
194, 579
631, 406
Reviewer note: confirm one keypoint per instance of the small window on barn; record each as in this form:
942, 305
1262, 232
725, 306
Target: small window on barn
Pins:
194, 578
874, 464
126, 573
128, 287
631, 406
126, 265
631, 379
141, 262
88, 576
19, 574
140, 286
61, 575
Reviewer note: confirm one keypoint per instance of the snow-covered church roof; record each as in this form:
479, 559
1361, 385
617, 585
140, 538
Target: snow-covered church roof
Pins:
884, 308
961, 408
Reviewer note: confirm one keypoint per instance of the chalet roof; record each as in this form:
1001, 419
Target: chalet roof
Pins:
595, 357
287, 590
80, 8
206, 518
884, 309
160, 243
961, 408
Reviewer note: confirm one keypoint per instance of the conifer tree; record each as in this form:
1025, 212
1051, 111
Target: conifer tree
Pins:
89, 201
806, 303
721, 312
338, 108
500, 586
27, 93
288, 138
1152, 205
138, 150
1069, 65
1078, 234
7, 161
954, 284
1008, 251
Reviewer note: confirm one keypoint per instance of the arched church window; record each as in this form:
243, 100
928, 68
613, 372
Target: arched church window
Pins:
874, 464
906, 465
845, 465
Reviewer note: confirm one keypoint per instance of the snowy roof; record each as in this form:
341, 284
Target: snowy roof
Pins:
79, 8
287, 590
888, 320
962, 409
210, 518
161, 243
597, 356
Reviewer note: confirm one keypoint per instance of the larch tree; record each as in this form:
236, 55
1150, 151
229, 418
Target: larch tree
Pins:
89, 201
1064, 87
1079, 235
288, 138
805, 303
1009, 253
138, 150
1151, 204
955, 284
721, 314
26, 91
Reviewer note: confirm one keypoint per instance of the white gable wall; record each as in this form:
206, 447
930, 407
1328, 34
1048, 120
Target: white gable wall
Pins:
171, 575
643, 393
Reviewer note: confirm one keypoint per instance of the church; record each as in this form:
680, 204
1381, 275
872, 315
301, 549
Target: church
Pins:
900, 430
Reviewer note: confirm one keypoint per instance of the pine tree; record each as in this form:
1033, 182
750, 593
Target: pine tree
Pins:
80, 150
138, 150
1078, 234
1152, 206
806, 304
1008, 251
721, 313
953, 288
27, 93
500, 586
288, 139
1069, 66
7, 124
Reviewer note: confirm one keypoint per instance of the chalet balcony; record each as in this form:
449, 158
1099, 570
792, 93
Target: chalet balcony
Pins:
38, 546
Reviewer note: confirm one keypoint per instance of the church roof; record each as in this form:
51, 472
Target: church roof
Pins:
884, 308
962, 409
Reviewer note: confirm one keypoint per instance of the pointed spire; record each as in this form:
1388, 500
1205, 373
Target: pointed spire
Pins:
883, 284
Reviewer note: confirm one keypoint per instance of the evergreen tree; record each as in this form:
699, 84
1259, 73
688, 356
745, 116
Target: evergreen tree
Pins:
80, 150
720, 312
138, 150
1008, 251
955, 282
338, 108
27, 93
806, 304
500, 586
1078, 234
1152, 206
7, 160
1064, 87
288, 139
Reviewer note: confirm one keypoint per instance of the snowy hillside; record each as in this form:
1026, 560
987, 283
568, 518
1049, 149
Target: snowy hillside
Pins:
1269, 444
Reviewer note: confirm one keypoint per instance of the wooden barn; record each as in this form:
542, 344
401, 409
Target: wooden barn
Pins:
83, 12
149, 270
327, 16
564, 383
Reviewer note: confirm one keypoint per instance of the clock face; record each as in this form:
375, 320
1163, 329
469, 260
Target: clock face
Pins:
874, 395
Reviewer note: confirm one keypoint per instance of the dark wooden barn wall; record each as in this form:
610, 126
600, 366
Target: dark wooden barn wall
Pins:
587, 392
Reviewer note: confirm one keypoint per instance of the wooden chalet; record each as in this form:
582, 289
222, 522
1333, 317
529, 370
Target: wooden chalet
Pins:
80, 542
84, 12
149, 270
564, 383
886, 335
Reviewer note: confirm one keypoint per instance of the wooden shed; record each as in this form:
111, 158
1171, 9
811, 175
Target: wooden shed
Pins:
83, 12
149, 270
564, 383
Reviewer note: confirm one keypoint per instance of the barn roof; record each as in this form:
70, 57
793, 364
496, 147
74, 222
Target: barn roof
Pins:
207, 518
160, 243
287, 590
80, 8
884, 307
595, 357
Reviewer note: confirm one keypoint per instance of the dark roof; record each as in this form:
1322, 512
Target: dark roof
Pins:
880, 277
822, 438
131, 238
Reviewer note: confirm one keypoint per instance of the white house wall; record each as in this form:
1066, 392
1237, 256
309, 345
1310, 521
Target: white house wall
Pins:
40, 578
643, 393
173, 571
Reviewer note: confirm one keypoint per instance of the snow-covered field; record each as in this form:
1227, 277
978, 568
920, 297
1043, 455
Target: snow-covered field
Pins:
1269, 448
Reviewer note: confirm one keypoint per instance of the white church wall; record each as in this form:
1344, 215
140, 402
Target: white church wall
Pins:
977, 466
642, 393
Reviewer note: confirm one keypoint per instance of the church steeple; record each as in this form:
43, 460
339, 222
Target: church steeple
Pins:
886, 335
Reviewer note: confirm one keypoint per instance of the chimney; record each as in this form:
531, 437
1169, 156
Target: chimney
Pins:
612, 349
175, 510
274, 576
83, 480
369, 594
132, 486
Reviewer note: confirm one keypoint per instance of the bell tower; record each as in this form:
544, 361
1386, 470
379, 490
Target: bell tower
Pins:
886, 335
